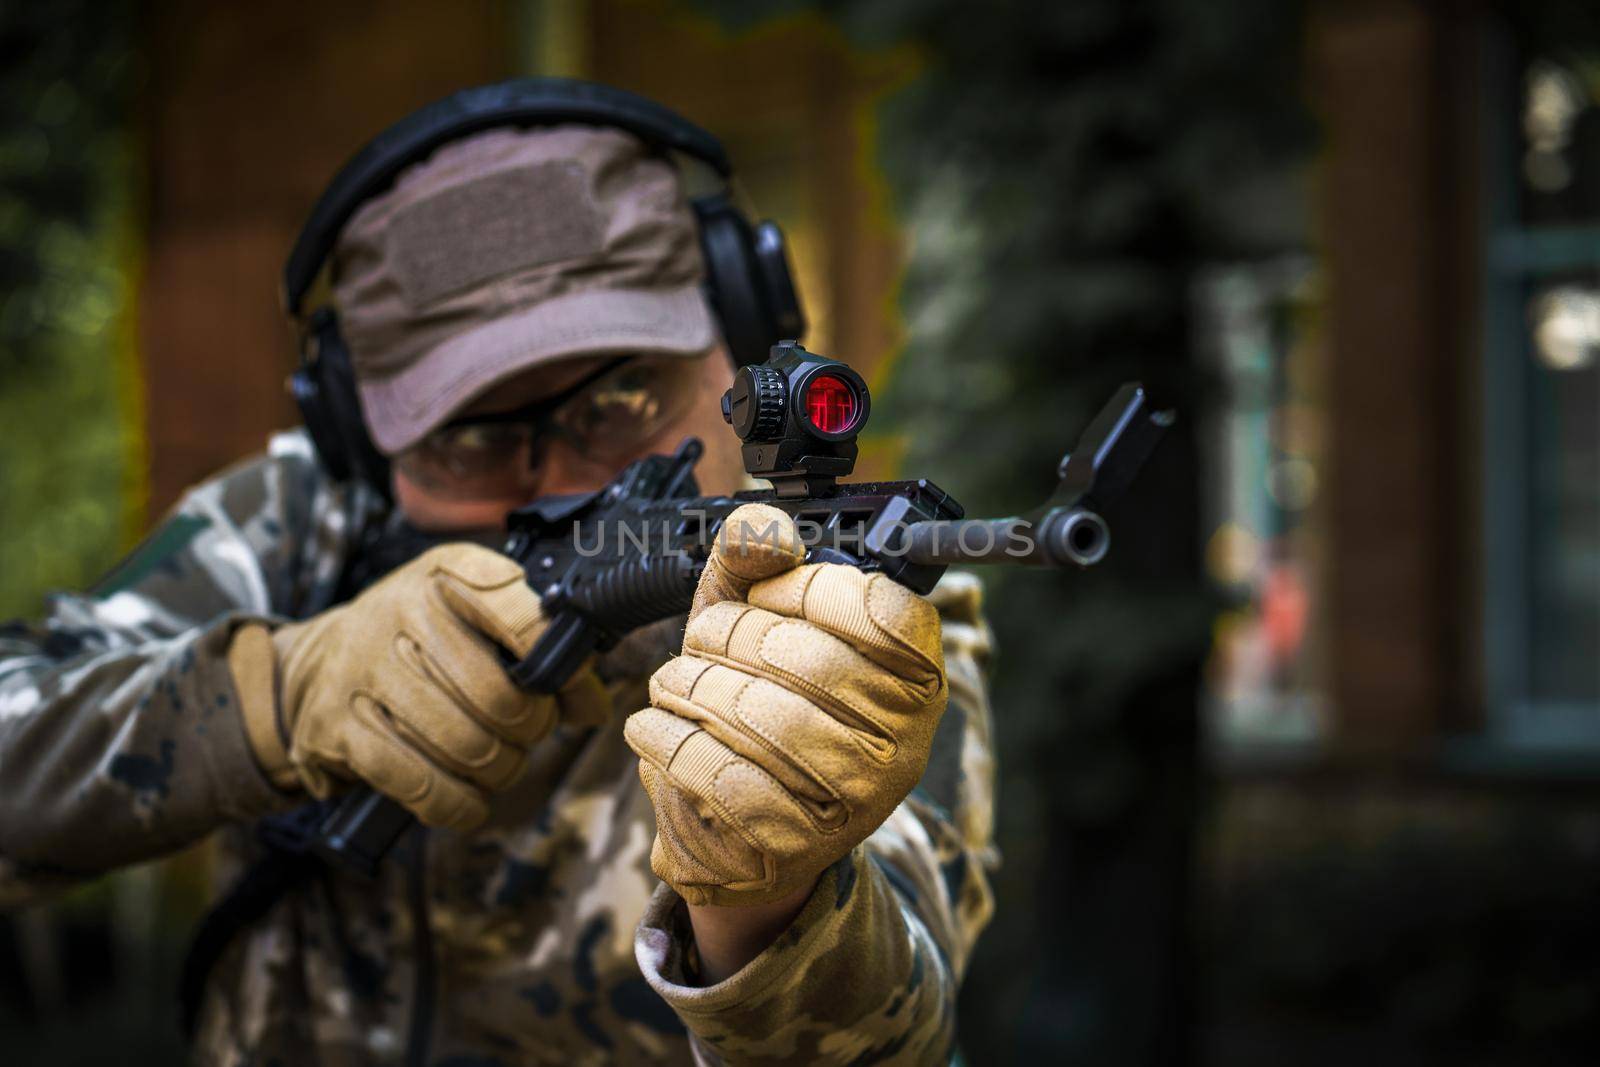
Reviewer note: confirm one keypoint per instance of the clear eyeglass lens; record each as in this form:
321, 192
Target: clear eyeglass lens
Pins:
627, 408
483, 441
611, 419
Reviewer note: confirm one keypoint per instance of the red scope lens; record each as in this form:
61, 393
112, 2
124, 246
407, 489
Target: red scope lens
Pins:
831, 404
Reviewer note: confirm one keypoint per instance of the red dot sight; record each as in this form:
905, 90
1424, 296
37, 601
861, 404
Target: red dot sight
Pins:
798, 415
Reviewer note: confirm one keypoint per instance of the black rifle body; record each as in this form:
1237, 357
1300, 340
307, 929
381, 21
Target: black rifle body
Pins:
608, 562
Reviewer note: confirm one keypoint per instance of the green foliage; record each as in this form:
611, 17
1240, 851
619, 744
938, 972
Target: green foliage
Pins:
68, 410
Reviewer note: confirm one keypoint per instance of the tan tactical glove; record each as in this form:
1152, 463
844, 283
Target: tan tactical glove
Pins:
799, 715
402, 688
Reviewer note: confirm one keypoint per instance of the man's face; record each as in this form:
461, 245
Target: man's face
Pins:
468, 476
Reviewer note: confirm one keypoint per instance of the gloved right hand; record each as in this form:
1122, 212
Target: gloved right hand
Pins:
402, 688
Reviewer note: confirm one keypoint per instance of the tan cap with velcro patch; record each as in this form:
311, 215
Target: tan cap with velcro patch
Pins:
510, 249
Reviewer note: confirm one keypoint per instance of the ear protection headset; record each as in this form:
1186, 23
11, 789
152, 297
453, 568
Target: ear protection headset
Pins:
748, 281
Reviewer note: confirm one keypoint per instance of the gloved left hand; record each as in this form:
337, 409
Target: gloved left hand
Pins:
799, 715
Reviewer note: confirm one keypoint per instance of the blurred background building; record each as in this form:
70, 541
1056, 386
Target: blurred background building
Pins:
1310, 770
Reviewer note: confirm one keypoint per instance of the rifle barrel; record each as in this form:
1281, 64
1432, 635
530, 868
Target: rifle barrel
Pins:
1063, 536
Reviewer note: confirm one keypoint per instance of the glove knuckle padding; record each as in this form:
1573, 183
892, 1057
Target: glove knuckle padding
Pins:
655, 735
793, 739
800, 714
806, 659
708, 791
682, 839
886, 622
683, 816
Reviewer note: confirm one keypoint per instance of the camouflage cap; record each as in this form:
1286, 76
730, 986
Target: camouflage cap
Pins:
510, 249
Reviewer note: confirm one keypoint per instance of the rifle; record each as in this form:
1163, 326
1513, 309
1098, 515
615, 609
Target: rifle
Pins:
607, 562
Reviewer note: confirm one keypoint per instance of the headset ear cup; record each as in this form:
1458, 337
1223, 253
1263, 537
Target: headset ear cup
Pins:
311, 396
777, 282
726, 243
325, 389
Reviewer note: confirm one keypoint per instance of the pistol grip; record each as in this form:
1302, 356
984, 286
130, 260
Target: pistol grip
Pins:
366, 824
362, 829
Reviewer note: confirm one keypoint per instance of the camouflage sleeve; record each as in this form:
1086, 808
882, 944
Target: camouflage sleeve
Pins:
869, 970
119, 737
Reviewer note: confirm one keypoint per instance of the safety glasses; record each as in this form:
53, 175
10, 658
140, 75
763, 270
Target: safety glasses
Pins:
606, 418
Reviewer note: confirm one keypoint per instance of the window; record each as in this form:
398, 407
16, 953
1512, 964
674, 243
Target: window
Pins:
1257, 334
1541, 399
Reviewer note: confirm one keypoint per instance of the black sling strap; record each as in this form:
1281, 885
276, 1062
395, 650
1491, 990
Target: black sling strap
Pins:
288, 862
286, 865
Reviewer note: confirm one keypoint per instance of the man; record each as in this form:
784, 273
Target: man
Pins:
808, 909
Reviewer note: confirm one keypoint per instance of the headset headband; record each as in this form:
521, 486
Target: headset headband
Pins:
521, 102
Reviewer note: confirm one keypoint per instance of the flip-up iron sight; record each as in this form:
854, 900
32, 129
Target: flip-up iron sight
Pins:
798, 415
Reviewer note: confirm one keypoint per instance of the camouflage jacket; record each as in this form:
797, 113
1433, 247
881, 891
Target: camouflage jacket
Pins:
551, 940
